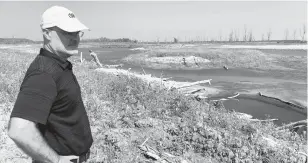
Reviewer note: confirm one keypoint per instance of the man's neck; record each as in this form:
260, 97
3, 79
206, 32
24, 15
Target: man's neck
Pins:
48, 48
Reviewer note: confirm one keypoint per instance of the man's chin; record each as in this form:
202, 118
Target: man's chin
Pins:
73, 52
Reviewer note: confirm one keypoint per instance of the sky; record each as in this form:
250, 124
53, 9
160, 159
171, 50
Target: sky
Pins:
162, 20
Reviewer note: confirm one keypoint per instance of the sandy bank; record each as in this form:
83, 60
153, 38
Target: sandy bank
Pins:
177, 59
204, 58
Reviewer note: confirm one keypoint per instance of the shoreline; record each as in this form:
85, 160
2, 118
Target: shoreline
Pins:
207, 92
275, 101
158, 81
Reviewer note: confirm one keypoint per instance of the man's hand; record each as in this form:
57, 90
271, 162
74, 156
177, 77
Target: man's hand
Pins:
69, 159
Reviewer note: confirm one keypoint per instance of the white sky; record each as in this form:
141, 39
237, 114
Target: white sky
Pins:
144, 20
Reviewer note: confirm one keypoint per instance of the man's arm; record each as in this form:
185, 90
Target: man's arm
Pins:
27, 137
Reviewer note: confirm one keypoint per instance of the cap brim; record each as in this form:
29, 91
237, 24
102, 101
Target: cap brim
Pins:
73, 25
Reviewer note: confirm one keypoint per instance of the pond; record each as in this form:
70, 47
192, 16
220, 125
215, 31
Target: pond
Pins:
222, 79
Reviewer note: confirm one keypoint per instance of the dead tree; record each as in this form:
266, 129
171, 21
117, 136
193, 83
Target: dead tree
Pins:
269, 34
175, 40
245, 34
250, 37
220, 35
286, 34
236, 35
294, 34
95, 58
303, 32
231, 36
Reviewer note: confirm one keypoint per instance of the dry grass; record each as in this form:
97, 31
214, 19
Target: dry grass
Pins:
124, 111
13, 66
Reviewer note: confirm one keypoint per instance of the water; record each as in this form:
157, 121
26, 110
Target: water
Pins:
227, 80
260, 109
107, 55
285, 52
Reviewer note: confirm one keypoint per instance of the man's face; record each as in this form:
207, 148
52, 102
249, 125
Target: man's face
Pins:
64, 43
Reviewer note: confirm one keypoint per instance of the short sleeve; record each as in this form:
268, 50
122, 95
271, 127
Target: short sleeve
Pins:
34, 101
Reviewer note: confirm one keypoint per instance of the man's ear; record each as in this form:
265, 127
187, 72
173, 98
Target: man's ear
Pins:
47, 34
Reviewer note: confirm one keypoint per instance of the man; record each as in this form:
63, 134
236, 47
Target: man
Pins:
95, 58
49, 121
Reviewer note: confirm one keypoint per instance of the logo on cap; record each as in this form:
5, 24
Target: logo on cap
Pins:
71, 15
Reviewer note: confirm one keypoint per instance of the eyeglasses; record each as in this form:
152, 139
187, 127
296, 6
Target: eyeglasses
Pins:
70, 34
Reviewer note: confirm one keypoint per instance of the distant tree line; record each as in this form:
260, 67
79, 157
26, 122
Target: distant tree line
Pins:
104, 39
17, 41
234, 36
247, 35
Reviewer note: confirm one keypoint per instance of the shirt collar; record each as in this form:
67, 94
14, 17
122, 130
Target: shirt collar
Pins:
65, 64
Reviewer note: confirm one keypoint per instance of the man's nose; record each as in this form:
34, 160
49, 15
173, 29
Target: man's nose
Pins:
73, 41
74, 37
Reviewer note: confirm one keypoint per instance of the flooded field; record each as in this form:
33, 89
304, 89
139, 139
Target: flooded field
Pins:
243, 80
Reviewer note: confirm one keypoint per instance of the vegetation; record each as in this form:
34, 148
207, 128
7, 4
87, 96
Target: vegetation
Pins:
284, 66
16, 41
124, 111
104, 39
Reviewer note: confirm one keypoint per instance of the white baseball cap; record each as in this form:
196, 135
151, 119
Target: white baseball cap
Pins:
63, 18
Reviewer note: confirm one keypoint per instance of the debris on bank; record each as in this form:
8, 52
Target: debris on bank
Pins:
194, 87
141, 49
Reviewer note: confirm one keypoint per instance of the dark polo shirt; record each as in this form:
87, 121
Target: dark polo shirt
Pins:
50, 96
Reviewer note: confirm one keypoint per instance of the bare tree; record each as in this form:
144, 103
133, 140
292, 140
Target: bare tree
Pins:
236, 35
245, 33
269, 34
175, 40
286, 34
250, 36
231, 36
303, 32
294, 34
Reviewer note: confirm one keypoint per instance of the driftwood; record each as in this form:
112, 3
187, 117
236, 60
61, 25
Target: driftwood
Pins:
150, 152
293, 125
243, 115
228, 98
114, 66
81, 59
165, 79
194, 91
286, 102
302, 153
143, 71
234, 96
249, 117
201, 97
95, 58
194, 83
266, 120
162, 157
